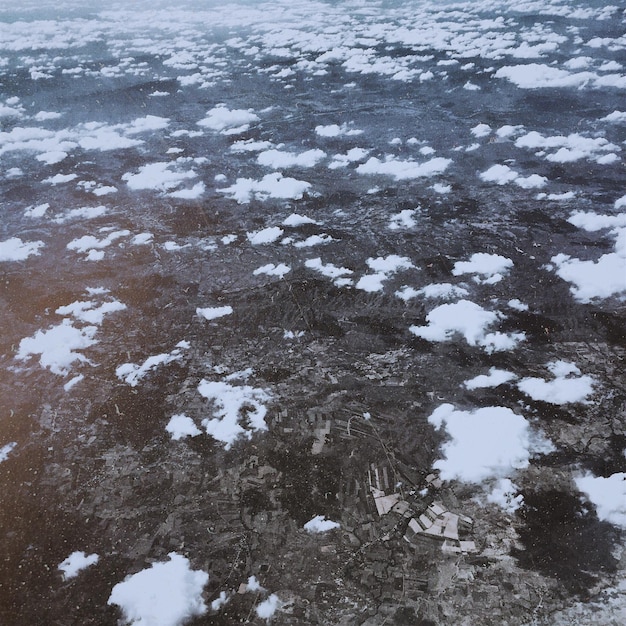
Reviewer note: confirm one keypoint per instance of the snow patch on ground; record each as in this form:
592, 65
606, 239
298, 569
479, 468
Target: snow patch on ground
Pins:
57, 347
93, 246
89, 311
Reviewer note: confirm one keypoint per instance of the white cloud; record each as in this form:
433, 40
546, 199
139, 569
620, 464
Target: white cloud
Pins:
279, 159
484, 443
384, 268
227, 121
535, 76
351, 156
487, 268
617, 117
495, 378
568, 385
337, 274
220, 601
335, 130
607, 494
403, 219
313, 240
603, 278
273, 185
57, 347
266, 235
319, 524
273, 270
471, 321
267, 608
158, 176
238, 410
481, 130
132, 374
443, 291
295, 219
165, 594
503, 174
567, 148
15, 249
180, 425
214, 312
6, 450
404, 170
505, 495
499, 174
76, 562
189, 194
86, 212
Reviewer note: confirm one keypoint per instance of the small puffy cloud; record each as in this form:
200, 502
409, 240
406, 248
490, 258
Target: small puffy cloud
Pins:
273, 185
495, 378
181, 426
568, 385
228, 121
76, 562
487, 268
319, 524
15, 249
484, 443
607, 494
469, 320
165, 594
267, 608
214, 312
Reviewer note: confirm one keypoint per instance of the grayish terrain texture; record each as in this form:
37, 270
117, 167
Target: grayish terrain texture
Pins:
313, 313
